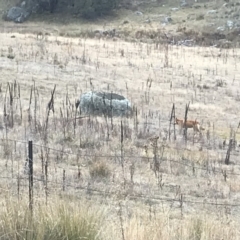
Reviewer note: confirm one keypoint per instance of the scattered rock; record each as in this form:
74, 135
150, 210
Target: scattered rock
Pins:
167, 19
186, 42
22, 11
211, 11
16, 14
104, 103
221, 28
184, 4
148, 20
174, 9
226, 5
23, 4
230, 24
138, 13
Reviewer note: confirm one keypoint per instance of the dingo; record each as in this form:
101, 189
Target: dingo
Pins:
189, 124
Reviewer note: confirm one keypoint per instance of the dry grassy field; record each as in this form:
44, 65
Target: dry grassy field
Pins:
83, 172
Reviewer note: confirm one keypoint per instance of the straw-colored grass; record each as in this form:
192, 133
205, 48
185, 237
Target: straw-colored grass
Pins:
87, 183
59, 219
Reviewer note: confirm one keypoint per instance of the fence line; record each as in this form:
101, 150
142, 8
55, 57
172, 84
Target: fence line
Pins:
220, 171
67, 153
155, 198
139, 196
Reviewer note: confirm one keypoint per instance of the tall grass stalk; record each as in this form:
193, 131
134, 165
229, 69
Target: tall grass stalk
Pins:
60, 219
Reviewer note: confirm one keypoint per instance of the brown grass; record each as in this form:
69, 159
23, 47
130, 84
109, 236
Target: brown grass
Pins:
189, 198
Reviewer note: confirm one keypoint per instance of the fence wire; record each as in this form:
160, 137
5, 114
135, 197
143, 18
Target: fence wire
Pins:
129, 196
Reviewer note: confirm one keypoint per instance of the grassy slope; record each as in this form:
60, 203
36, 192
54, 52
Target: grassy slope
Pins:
186, 22
207, 77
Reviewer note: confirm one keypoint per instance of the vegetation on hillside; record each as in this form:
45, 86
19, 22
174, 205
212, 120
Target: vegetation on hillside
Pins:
93, 8
87, 8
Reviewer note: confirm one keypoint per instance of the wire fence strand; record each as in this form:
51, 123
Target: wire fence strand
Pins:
129, 196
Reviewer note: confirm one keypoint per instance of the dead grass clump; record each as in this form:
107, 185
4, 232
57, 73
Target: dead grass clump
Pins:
202, 228
150, 34
83, 33
234, 186
100, 170
200, 17
90, 144
10, 53
7, 149
57, 220
194, 227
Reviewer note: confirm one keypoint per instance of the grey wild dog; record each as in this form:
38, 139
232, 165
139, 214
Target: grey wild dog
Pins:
189, 124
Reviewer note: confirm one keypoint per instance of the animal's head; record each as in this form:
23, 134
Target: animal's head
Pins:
178, 121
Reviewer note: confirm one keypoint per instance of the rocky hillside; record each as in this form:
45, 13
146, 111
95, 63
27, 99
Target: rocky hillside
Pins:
189, 22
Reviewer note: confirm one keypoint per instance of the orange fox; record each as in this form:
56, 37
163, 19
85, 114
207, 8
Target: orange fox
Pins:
189, 124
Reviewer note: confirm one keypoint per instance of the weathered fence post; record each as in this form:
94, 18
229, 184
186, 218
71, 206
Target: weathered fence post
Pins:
172, 118
122, 157
185, 120
228, 152
46, 176
30, 165
64, 180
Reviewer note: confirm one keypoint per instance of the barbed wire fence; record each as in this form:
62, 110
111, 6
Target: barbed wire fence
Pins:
48, 179
31, 180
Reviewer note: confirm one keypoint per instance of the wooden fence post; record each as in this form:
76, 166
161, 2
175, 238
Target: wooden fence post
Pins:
64, 180
30, 165
122, 157
227, 159
172, 118
185, 120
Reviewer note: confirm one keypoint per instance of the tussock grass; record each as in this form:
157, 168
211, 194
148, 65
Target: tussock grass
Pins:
99, 170
60, 219
86, 159
190, 228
